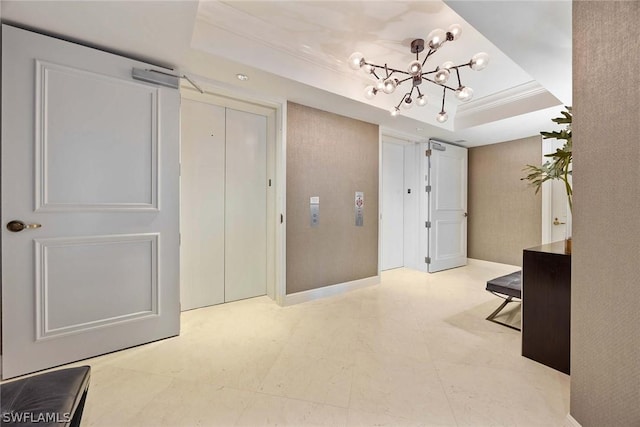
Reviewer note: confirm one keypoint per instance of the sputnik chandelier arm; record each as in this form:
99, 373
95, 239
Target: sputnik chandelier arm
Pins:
388, 79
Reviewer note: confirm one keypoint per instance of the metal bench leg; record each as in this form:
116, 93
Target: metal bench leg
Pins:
492, 316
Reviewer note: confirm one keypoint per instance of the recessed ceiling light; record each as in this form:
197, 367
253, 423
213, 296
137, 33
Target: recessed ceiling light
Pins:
242, 77
419, 129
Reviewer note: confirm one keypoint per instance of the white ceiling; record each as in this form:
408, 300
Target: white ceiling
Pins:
297, 50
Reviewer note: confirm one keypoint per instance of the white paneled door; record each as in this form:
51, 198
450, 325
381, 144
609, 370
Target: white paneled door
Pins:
446, 206
392, 205
90, 204
224, 203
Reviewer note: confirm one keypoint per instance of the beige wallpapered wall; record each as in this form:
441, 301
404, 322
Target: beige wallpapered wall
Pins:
332, 157
504, 213
605, 299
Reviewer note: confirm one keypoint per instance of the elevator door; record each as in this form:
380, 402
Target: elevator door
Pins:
245, 222
223, 205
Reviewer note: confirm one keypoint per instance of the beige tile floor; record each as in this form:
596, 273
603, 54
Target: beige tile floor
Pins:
414, 350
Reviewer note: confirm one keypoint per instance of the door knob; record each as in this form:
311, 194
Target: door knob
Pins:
556, 222
16, 226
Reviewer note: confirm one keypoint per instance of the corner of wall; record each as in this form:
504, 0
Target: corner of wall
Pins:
331, 157
505, 215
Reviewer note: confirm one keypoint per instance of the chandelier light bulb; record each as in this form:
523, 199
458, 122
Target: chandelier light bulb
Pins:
356, 60
441, 76
436, 38
370, 92
448, 65
407, 103
442, 116
380, 84
415, 68
368, 68
455, 30
395, 111
390, 85
421, 100
464, 93
479, 61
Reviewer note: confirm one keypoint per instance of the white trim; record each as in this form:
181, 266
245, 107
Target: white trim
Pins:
281, 204
480, 262
331, 290
402, 137
503, 98
423, 206
380, 200
547, 196
232, 97
501, 105
571, 422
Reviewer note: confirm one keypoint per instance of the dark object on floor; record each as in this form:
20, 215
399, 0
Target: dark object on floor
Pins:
51, 399
507, 287
546, 306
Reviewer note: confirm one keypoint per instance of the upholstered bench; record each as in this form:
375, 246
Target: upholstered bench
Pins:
507, 287
51, 399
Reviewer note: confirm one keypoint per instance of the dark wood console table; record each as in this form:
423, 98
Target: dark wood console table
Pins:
546, 305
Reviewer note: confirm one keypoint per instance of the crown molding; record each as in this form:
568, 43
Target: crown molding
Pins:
502, 98
515, 101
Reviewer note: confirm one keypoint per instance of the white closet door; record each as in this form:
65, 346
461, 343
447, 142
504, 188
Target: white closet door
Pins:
392, 206
202, 204
92, 156
245, 207
412, 192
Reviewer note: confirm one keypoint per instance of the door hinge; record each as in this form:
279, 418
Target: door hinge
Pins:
427, 188
269, 182
427, 224
281, 218
427, 152
427, 260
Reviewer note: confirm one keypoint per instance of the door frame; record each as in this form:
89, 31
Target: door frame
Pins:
407, 141
547, 198
275, 110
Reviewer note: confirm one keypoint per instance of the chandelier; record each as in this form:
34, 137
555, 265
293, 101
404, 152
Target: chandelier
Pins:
415, 73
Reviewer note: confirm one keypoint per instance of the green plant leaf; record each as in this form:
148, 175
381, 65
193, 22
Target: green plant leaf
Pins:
558, 167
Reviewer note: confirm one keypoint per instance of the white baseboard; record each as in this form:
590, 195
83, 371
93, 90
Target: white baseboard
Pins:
571, 422
473, 261
330, 290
